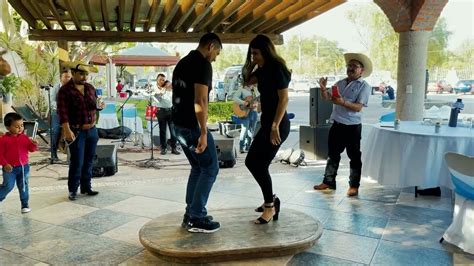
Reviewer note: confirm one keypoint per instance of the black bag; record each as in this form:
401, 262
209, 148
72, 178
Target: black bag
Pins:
114, 133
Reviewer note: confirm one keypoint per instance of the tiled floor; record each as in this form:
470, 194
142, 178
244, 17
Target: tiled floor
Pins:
382, 226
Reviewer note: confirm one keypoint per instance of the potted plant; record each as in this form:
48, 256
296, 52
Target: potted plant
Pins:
8, 86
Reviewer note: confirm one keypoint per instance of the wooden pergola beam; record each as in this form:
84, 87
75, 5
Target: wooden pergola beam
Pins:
135, 13
217, 8
87, 7
245, 11
121, 15
229, 10
199, 13
282, 15
159, 12
151, 15
310, 15
254, 14
298, 16
105, 14
53, 10
269, 15
169, 11
182, 14
73, 14
24, 13
39, 12
116, 36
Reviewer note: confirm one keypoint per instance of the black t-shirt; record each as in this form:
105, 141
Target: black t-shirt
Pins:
192, 69
271, 78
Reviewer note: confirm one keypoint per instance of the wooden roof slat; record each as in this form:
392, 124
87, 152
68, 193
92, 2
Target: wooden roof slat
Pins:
284, 14
182, 14
72, 14
254, 14
322, 9
39, 13
113, 36
24, 13
87, 7
135, 14
121, 15
105, 14
199, 13
245, 11
297, 15
151, 15
229, 10
171, 7
270, 14
55, 12
218, 7
159, 13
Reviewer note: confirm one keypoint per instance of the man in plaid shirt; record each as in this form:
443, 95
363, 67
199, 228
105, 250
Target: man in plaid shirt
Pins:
77, 107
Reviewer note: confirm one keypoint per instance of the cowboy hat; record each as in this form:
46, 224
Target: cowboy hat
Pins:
80, 66
363, 59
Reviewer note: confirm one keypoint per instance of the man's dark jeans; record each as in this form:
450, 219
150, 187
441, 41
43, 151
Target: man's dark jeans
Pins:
164, 120
204, 170
344, 137
82, 152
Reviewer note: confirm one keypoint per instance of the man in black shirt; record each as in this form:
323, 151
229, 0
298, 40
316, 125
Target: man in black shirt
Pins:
192, 82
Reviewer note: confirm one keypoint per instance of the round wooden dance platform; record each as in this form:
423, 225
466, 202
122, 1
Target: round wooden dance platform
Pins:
238, 237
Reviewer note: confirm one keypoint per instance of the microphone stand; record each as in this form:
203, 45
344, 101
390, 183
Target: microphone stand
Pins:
152, 162
122, 133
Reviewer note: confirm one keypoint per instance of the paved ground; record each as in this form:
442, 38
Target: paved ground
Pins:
381, 226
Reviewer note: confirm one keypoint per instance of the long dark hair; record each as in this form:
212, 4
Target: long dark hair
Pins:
268, 51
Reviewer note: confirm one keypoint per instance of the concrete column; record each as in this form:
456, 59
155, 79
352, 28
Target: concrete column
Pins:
412, 56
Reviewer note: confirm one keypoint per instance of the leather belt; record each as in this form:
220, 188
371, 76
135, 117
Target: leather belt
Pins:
85, 126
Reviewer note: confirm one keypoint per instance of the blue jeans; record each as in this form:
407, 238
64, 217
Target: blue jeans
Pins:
204, 170
20, 174
248, 130
56, 126
82, 152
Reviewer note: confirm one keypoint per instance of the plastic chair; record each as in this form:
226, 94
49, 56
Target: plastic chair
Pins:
461, 230
29, 114
108, 117
388, 117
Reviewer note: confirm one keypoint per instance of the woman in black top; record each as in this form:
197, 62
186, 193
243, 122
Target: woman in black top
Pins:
265, 67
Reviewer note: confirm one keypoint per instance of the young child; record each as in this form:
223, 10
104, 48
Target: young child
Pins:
14, 148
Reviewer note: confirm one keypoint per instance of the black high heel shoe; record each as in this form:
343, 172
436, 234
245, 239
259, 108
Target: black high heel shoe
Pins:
276, 205
260, 208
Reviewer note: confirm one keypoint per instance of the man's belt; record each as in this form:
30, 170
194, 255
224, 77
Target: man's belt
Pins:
164, 109
85, 126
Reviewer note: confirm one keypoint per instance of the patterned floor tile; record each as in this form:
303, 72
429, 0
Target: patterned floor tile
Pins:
99, 222
128, 232
356, 224
146, 207
422, 216
392, 253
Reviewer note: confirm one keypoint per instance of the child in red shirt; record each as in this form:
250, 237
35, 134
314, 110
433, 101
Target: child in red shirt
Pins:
14, 148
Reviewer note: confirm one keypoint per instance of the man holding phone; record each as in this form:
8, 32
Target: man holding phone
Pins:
348, 95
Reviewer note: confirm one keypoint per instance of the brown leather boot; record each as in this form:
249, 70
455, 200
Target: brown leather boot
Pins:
323, 186
352, 191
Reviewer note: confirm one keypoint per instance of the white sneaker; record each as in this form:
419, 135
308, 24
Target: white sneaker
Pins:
25, 210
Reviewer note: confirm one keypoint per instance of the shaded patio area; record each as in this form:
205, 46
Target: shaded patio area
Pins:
380, 226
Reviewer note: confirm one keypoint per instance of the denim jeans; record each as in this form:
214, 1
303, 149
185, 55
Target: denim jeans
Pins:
344, 137
248, 130
204, 170
82, 152
56, 126
20, 175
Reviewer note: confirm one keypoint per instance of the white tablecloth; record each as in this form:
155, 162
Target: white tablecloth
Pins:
135, 124
107, 121
413, 154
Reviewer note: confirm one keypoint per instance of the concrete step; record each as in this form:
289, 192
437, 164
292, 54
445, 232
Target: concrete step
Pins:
238, 237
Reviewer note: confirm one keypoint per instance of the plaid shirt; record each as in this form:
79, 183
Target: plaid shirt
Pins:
75, 108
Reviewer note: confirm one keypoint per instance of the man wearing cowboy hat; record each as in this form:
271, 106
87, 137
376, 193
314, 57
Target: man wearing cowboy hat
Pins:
77, 107
351, 94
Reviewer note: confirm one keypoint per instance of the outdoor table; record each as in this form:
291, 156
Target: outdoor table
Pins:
412, 155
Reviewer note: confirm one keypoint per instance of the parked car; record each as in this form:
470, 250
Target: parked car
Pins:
464, 86
443, 86
219, 92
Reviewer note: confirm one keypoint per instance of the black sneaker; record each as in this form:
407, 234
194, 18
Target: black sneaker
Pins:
185, 223
163, 151
203, 225
72, 195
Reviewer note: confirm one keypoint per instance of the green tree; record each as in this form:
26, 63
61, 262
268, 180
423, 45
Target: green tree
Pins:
438, 45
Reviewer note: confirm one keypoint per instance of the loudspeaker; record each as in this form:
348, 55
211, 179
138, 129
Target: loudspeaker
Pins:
226, 150
319, 109
314, 141
105, 161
